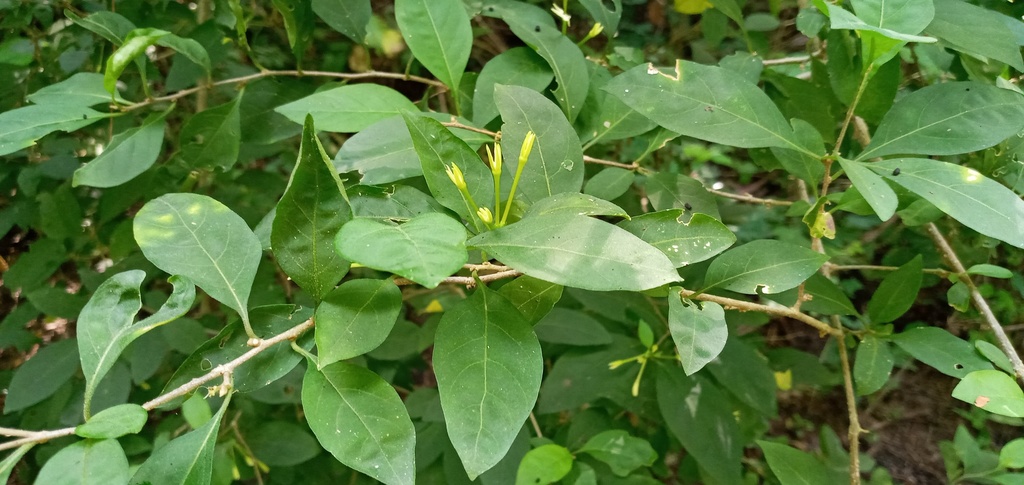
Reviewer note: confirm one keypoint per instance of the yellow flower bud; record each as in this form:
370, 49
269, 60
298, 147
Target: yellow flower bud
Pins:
524, 152
494, 158
485, 215
595, 30
455, 174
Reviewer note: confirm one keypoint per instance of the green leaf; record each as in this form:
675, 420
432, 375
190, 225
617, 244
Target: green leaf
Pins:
974, 200
439, 35
298, 24
282, 443
700, 416
393, 203
578, 251
563, 56
109, 25
697, 100
873, 365
805, 164
941, 350
683, 242
86, 462
574, 203
349, 108
42, 375
107, 324
610, 183
745, 373
438, 149
976, 31
605, 14
308, 218
604, 118
1012, 454
620, 451
947, 119
359, 418
189, 48
698, 330
489, 366
533, 297
211, 138
134, 46
994, 354
114, 422
12, 460
556, 162
571, 327
185, 460
771, 266
543, 465
426, 250
269, 366
201, 239
992, 390
518, 66
20, 128
990, 270
81, 89
346, 16
872, 187
129, 153
897, 292
674, 191
905, 16
792, 466
355, 318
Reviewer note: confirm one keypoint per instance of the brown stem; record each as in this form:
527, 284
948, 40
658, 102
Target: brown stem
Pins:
627, 166
750, 198
851, 405
781, 311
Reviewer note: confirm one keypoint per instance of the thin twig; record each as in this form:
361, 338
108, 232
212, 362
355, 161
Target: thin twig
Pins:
781, 311
455, 124
786, 60
536, 425
854, 430
871, 267
16, 432
750, 198
627, 166
219, 371
263, 74
466, 280
979, 301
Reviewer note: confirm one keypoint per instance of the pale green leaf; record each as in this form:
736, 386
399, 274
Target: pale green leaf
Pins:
992, 390
994, 355
792, 466
439, 35
359, 418
489, 366
620, 451
947, 119
189, 48
897, 292
905, 16
114, 422
185, 460
763, 266
346, 16
872, 187
308, 218
941, 350
128, 154
349, 108
544, 465
201, 239
698, 238
578, 251
355, 318
844, 19
426, 249
698, 330
872, 366
87, 462
518, 66
556, 162
974, 200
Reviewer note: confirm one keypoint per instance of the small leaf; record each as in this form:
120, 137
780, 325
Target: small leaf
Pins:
355, 318
947, 119
872, 187
518, 66
349, 108
359, 418
992, 390
578, 251
533, 297
185, 460
1012, 454
211, 138
489, 367
873, 365
792, 466
684, 243
129, 153
556, 162
201, 239
427, 249
699, 332
308, 218
990, 270
42, 375
87, 462
114, 422
544, 465
974, 200
349, 17
897, 292
439, 35
994, 354
771, 266
941, 350
620, 451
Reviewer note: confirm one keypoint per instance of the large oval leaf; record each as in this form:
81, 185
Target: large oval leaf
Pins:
348, 109
360, 419
439, 34
698, 330
427, 249
308, 218
489, 366
201, 239
698, 238
706, 102
187, 459
772, 266
556, 162
948, 118
355, 318
978, 202
578, 251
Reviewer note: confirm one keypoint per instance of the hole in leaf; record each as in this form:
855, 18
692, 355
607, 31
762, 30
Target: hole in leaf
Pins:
536, 29
958, 366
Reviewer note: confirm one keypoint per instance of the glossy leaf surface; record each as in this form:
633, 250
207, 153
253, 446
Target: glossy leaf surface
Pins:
563, 56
